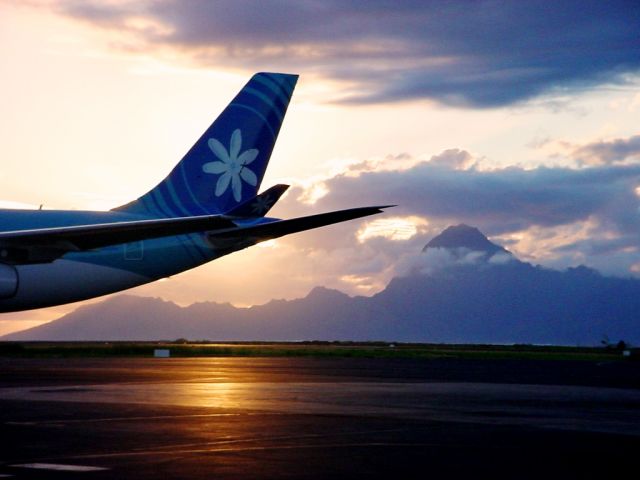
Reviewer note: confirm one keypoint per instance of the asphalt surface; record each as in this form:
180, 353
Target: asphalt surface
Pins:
318, 418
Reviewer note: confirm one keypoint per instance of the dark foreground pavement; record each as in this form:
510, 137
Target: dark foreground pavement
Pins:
318, 418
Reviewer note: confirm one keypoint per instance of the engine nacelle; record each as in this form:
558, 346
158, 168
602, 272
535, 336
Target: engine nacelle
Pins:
8, 281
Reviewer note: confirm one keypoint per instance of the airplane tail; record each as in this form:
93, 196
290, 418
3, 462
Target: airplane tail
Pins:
224, 168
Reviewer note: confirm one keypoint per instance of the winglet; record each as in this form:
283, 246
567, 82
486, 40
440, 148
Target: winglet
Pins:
259, 205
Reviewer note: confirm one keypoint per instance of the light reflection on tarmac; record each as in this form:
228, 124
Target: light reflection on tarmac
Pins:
567, 407
317, 418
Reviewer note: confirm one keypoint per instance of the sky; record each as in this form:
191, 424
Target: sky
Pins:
519, 118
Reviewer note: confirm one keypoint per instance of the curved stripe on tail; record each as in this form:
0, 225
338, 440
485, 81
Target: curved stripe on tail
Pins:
226, 165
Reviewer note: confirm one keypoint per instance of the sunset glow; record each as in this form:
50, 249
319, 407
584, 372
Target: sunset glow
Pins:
101, 99
394, 228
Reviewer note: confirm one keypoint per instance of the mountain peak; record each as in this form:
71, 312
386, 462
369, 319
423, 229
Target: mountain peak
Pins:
324, 293
464, 236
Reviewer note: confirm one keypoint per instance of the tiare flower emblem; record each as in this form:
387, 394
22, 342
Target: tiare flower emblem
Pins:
232, 166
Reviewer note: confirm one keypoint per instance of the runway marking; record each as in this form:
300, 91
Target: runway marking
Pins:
222, 445
63, 390
139, 418
60, 467
279, 447
163, 448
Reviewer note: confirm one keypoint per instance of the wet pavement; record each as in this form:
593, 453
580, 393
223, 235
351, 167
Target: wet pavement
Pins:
317, 418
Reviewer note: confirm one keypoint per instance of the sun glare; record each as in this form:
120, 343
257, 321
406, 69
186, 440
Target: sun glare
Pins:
314, 193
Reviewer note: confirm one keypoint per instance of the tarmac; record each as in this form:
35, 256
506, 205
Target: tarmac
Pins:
312, 418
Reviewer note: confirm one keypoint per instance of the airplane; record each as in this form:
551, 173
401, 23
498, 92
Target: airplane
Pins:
208, 206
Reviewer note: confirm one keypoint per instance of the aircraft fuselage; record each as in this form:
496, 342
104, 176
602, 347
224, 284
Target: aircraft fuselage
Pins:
86, 274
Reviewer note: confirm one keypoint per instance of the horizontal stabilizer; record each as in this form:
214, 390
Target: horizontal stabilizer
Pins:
48, 244
278, 228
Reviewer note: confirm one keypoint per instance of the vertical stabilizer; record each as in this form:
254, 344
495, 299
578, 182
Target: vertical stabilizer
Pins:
225, 167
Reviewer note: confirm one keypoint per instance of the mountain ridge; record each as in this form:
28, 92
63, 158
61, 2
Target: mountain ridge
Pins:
462, 302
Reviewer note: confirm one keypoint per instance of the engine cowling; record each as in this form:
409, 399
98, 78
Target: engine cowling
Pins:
8, 281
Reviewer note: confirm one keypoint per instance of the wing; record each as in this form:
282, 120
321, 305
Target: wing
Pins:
47, 244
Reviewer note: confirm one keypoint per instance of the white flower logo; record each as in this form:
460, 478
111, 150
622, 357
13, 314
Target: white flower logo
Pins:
232, 166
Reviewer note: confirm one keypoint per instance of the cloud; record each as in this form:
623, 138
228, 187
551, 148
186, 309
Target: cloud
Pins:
481, 54
453, 158
500, 200
436, 259
608, 152
559, 217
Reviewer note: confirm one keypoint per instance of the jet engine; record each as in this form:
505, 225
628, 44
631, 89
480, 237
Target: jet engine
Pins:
8, 281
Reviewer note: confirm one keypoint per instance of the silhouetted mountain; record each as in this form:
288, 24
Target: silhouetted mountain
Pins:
463, 237
485, 302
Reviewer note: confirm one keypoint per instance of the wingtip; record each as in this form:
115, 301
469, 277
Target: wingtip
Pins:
380, 208
373, 210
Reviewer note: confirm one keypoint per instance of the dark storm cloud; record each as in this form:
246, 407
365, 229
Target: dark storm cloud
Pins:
600, 246
588, 215
483, 53
506, 200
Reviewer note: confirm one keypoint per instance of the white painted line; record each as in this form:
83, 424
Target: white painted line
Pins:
60, 467
4, 475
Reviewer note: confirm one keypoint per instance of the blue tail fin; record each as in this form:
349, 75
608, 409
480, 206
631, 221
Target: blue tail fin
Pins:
225, 167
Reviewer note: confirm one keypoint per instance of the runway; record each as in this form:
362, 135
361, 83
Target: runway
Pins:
317, 418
